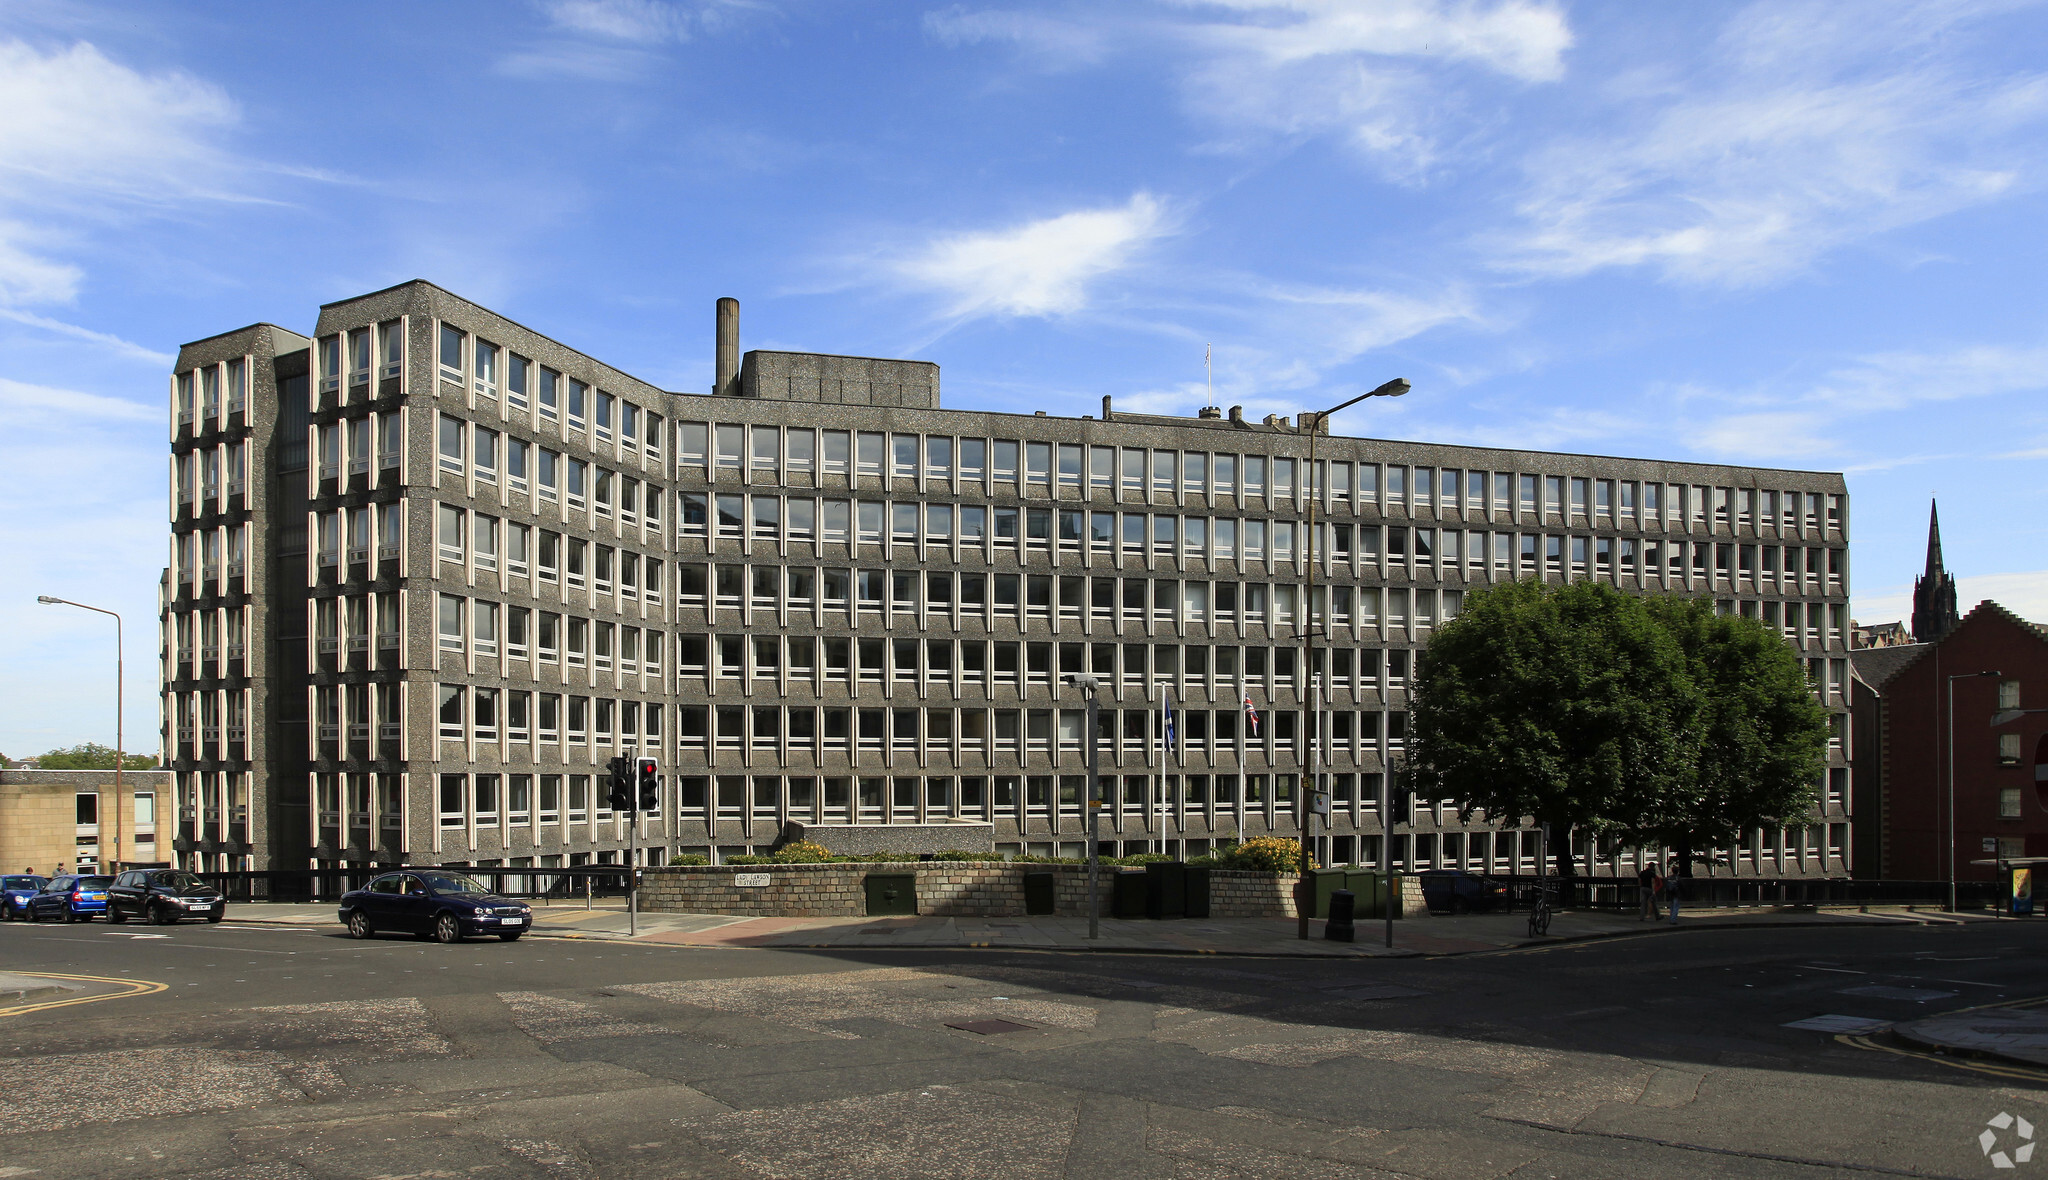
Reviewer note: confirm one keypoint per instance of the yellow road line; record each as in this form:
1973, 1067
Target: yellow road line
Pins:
1995, 1069
134, 987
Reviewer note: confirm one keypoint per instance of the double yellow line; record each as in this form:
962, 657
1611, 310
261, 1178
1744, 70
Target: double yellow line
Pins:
129, 987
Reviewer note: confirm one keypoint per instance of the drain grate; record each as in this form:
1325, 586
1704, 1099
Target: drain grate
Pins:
988, 1028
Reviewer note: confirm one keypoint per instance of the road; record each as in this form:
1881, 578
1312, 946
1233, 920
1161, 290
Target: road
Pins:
284, 1054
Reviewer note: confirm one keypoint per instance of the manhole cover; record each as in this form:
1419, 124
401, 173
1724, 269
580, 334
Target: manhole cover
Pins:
988, 1028
1881, 992
1841, 1024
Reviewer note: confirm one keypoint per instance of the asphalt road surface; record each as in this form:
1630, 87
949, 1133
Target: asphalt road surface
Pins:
281, 1054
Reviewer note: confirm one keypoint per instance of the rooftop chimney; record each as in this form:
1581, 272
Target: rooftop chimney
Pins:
726, 381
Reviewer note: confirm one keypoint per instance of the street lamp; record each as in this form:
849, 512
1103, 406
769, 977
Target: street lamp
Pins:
1304, 804
1088, 685
1952, 778
120, 755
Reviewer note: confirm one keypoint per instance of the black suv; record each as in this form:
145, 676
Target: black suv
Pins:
163, 896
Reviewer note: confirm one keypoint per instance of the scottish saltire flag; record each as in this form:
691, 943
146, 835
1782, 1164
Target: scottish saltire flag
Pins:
1166, 719
1251, 714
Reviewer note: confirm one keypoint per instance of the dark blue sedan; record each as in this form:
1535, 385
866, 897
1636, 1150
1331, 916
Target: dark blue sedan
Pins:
70, 898
432, 903
15, 890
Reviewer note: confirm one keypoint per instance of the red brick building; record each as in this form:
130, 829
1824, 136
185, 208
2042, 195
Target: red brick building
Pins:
1996, 664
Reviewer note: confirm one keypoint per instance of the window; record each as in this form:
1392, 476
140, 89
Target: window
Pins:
451, 353
2008, 803
486, 366
2009, 755
451, 444
2008, 694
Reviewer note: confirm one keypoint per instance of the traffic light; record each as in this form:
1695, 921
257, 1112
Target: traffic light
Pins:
1400, 805
647, 772
620, 794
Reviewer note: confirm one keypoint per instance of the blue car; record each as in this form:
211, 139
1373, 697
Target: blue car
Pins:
70, 898
15, 890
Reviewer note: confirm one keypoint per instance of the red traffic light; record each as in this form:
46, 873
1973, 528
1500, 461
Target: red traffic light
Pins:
647, 766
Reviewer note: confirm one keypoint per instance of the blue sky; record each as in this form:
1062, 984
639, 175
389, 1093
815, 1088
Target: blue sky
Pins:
1787, 234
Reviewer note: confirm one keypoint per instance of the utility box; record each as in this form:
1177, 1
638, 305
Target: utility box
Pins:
1198, 891
1166, 890
1127, 893
1039, 894
1327, 882
1340, 928
891, 893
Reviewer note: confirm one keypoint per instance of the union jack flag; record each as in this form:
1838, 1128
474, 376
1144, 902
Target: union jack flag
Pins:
1251, 715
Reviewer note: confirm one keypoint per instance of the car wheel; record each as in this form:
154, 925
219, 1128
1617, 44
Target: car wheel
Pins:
510, 936
9, 911
114, 915
163, 915
31, 915
216, 916
447, 929
359, 925
70, 915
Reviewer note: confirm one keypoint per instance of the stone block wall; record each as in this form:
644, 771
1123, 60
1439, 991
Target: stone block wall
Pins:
987, 889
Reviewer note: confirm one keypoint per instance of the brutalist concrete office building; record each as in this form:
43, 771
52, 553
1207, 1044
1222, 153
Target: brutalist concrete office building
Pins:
430, 570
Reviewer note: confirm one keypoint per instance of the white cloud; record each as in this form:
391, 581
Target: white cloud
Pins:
49, 405
1804, 128
1518, 38
118, 346
1256, 70
623, 20
1039, 268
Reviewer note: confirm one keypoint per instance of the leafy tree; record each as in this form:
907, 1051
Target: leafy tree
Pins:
1758, 742
93, 756
1571, 704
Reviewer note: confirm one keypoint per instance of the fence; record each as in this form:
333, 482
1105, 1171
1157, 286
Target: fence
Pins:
1624, 893
562, 885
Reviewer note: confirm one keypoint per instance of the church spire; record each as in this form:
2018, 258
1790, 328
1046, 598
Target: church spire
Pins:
1934, 592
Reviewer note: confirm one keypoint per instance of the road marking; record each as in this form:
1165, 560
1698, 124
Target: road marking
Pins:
1836, 970
1998, 1070
124, 934
133, 987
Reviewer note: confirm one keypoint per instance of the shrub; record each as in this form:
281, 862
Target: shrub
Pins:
689, 858
802, 852
1266, 854
959, 854
749, 859
1143, 858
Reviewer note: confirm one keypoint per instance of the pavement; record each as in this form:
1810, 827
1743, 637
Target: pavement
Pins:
1263, 937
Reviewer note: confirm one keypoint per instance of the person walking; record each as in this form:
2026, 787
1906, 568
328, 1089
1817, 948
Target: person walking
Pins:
1672, 891
1648, 884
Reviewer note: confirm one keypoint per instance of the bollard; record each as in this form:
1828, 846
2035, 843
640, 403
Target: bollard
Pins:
1339, 928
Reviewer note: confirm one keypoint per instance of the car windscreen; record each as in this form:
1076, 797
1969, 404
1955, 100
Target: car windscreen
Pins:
452, 883
21, 882
178, 881
94, 882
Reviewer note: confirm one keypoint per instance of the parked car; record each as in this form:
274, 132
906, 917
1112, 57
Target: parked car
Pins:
1455, 891
15, 890
70, 898
163, 896
432, 903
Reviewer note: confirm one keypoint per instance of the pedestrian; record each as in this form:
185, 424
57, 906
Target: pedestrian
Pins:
1671, 890
1648, 884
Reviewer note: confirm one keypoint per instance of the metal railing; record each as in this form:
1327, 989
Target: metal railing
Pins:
1624, 893
549, 886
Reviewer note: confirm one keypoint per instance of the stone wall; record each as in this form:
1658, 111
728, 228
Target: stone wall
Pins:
990, 889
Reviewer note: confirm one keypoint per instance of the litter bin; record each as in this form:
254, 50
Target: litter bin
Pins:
1339, 928
891, 893
1198, 891
1127, 893
1039, 893
1166, 890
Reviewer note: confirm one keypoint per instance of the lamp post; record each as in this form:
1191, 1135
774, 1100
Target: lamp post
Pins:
1304, 806
120, 756
1088, 684
1952, 778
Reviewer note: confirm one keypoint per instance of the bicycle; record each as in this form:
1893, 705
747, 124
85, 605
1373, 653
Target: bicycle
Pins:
1539, 914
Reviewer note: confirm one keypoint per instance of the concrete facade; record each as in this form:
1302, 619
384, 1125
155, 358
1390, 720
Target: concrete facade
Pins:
76, 819
477, 564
